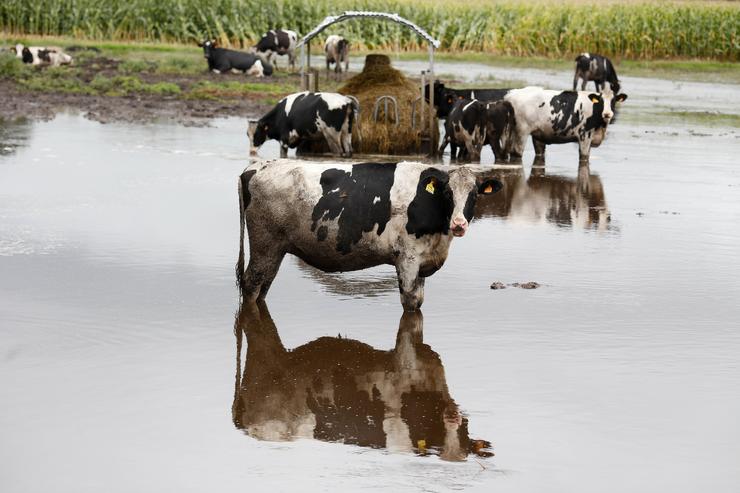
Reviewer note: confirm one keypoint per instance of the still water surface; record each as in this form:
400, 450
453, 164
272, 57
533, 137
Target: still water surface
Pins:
120, 369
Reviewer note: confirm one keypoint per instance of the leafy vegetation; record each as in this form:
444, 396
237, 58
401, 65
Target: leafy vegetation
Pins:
633, 30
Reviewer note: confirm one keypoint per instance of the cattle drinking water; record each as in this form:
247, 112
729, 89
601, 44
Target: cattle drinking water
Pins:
307, 115
342, 217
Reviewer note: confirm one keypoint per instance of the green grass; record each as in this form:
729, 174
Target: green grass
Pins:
704, 118
636, 30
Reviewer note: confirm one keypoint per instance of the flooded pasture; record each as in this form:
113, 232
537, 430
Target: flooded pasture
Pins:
127, 364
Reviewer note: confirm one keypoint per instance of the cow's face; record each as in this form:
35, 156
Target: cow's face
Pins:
208, 45
258, 133
455, 195
606, 103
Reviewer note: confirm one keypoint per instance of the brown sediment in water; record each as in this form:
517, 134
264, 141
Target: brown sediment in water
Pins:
378, 78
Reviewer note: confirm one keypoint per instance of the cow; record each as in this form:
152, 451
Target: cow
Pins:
53, 57
337, 389
221, 60
597, 68
465, 127
500, 128
446, 97
344, 217
557, 117
278, 42
40, 55
307, 115
337, 52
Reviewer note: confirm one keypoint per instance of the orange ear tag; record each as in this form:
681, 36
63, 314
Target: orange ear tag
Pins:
488, 189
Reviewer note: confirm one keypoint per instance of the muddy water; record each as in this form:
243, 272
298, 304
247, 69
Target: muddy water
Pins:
120, 369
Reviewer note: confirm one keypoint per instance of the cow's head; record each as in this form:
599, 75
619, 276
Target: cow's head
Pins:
445, 202
605, 103
208, 45
258, 133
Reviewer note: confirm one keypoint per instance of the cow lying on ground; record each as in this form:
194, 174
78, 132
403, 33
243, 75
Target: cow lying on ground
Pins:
337, 52
465, 127
339, 217
221, 60
343, 390
308, 115
446, 97
597, 68
278, 42
40, 55
555, 117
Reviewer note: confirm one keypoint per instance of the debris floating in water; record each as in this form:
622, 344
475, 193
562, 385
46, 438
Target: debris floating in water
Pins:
522, 285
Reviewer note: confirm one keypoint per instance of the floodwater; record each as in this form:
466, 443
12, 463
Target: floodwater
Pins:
126, 363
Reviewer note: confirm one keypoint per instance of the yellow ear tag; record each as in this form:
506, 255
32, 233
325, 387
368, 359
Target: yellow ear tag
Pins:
430, 187
594, 100
422, 445
488, 189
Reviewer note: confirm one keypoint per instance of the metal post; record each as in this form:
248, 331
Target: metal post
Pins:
423, 83
303, 66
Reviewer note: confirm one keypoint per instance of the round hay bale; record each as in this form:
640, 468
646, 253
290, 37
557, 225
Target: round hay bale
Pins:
378, 78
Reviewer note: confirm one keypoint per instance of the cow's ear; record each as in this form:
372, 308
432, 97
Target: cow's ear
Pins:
595, 98
431, 184
490, 186
449, 99
621, 97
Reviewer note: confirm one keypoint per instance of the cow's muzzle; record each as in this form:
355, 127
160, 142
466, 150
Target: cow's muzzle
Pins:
459, 227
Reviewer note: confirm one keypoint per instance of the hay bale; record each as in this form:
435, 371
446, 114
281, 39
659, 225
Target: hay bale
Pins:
379, 78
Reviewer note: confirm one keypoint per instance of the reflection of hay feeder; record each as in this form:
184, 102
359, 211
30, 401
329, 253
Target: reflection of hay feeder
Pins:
395, 116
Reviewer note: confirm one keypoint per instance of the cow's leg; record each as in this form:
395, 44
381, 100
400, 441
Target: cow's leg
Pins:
410, 284
539, 147
575, 80
283, 150
517, 148
453, 151
346, 141
583, 85
261, 271
442, 145
584, 150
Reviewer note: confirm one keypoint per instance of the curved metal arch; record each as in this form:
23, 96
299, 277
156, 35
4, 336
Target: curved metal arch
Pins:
349, 14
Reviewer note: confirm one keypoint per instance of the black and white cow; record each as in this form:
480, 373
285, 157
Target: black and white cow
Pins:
221, 60
342, 217
309, 115
557, 117
337, 52
597, 68
500, 128
465, 127
446, 97
41, 55
338, 389
278, 42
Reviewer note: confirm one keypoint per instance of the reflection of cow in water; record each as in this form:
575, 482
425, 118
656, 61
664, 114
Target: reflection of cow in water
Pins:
337, 389
557, 199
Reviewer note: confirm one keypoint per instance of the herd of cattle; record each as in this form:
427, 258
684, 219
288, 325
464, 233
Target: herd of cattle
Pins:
344, 217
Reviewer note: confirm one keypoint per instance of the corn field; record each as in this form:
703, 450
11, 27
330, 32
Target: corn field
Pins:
631, 30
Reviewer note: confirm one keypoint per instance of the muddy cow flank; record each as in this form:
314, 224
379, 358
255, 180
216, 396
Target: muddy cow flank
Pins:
278, 42
445, 97
221, 60
555, 117
339, 217
597, 68
337, 52
307, 115
465, 127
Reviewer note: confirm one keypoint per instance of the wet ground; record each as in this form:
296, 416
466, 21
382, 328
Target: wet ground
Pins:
120, 369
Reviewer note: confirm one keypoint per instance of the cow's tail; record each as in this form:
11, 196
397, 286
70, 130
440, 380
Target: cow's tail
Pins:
242, 224
354, 117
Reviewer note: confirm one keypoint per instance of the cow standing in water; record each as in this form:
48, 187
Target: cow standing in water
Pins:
307, 115
278, 42
339, 217
465, 127
555, 117
337, 52
597, 68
